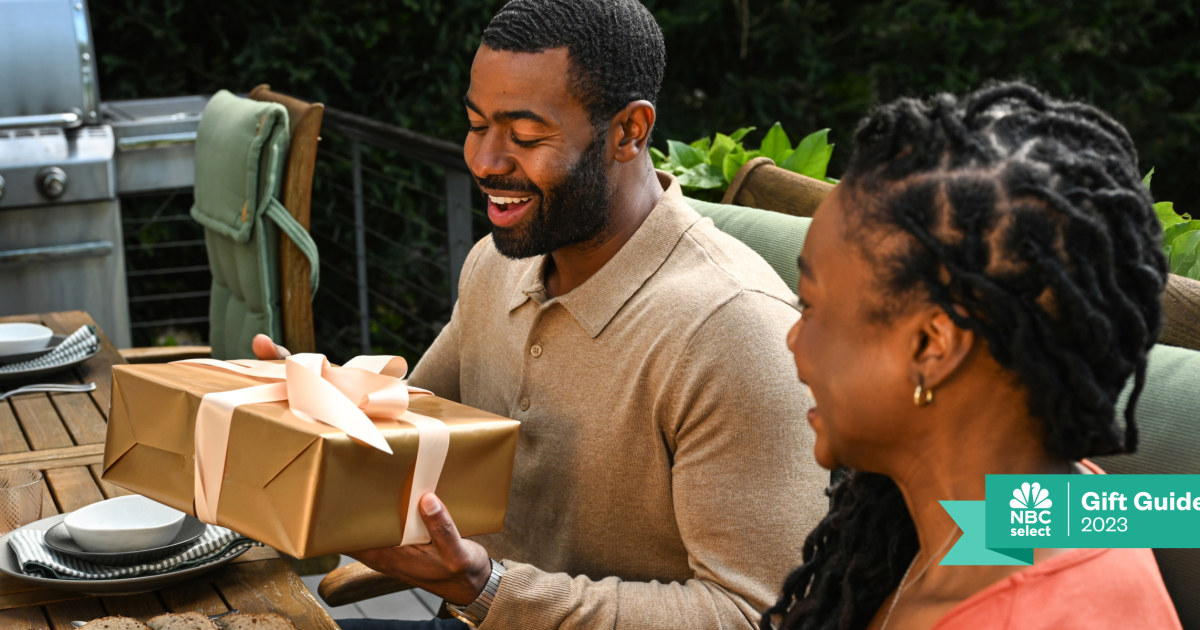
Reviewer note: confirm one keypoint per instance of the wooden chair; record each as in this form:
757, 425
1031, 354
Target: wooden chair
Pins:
304, 122
762, 184
355, 582
304, 119
1181, 313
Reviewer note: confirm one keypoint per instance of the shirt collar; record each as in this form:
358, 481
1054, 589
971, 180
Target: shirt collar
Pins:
594, 303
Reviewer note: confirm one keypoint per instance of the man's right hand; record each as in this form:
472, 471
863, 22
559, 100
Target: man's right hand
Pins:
268, 350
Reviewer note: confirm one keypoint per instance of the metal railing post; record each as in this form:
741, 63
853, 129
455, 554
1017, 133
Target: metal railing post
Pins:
458, 224
360, 248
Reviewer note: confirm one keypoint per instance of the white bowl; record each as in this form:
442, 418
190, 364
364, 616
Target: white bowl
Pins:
128, 523
18, 338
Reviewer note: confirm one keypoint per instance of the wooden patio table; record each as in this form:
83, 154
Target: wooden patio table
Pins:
62, 434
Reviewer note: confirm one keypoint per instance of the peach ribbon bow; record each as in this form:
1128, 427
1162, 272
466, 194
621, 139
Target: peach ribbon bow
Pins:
343, 397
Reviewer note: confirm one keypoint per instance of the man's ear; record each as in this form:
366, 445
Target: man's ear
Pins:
939, 347
631, 130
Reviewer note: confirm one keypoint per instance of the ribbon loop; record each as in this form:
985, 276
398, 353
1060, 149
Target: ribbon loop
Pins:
343, 397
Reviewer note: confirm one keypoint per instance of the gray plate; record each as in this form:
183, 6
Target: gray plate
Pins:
17, 357
59, 539
121, 586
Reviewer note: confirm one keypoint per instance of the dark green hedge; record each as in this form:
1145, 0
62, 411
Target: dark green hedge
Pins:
809, 64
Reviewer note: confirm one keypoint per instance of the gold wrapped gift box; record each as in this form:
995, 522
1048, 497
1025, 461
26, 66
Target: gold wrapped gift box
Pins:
303, 488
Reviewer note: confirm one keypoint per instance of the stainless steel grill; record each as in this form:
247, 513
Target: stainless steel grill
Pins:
60, 224
49, 70
156, 140
44, 165
65, 158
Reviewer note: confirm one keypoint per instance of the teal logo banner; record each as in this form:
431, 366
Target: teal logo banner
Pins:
1021, 513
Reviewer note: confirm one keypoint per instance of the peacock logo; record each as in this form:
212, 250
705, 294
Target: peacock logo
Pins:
1030, 496
1030, 510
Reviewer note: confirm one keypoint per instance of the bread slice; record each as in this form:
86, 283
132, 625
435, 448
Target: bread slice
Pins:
114, 623
265, 621
182, 621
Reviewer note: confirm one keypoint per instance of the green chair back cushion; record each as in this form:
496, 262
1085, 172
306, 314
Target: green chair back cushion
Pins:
777, 237
241, 151
1168, 417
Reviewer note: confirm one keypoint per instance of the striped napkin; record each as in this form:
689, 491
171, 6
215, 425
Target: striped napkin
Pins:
36, 559
80, 344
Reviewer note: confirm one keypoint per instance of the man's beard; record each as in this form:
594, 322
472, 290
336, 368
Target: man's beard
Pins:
575, 210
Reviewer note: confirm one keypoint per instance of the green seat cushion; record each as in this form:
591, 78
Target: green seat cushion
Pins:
776, 237
1168, 417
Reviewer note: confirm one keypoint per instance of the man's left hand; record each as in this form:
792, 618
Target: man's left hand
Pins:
448, 566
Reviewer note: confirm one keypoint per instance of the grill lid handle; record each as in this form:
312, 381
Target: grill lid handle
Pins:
66, 120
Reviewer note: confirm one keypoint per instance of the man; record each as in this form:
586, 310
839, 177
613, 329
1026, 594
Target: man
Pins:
664, 475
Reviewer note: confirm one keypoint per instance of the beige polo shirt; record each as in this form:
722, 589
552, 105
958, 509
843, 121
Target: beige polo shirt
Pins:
664, 475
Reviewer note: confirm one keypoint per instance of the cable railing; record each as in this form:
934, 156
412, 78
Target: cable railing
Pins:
393, 222
409, 197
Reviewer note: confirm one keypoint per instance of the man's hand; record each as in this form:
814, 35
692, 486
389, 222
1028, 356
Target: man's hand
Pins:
267, 350
448, 566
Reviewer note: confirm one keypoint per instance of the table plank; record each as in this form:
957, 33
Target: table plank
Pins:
141, 606
86, 424
82, 455
15, 593
23, 619
43, 426
61, 614
194, 596
271, 586
73, 488
12, 438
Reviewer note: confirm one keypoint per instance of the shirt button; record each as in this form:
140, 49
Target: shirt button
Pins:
524, 404
536, 351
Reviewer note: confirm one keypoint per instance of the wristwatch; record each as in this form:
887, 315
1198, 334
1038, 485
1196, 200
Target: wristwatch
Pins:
474, 613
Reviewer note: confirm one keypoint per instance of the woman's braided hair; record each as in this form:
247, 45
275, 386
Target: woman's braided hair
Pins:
1025, 219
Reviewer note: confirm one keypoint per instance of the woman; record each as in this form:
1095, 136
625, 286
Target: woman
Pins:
975, 295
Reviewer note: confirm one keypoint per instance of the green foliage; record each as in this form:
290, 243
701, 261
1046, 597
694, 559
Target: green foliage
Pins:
1181, 236
809, 65
705, 167
821, 63
405, 63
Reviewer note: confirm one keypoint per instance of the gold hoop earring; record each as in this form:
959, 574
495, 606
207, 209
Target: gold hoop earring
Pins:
921, 396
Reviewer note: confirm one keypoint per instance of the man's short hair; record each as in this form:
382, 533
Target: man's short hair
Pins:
615, 48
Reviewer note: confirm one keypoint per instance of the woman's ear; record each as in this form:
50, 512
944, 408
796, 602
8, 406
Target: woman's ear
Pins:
939, 347
631, 127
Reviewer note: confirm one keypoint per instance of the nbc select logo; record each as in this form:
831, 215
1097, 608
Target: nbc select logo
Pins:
1030, 515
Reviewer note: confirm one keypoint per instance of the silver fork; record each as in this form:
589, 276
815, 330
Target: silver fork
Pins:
77, 624
48, 387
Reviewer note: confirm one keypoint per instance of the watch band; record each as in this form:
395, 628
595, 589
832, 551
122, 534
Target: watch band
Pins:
474, 613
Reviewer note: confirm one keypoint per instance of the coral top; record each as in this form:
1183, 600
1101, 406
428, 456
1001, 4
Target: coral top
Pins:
1096, 589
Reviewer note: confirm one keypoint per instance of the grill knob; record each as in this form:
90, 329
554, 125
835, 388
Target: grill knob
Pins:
52, 181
